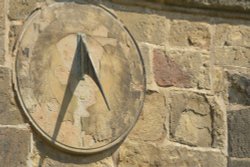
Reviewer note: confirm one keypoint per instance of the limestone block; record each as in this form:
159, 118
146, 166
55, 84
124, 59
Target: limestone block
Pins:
147, 56
182, 69
190, 119
219, 82
232, 56
140, 154
239, 88
14, 147
239, 133
197, 119
2, 48
239, 162
151, 125
2, 29
20, 9
9, 113
47, 162
190, 34
144, 27
219, 122
2, 16
232, 35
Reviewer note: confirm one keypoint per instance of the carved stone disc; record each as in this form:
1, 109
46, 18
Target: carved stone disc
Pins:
72, 112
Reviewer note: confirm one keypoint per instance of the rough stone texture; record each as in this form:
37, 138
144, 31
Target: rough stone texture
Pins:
152, 123
219, 122
193, 64
190, 119
232, 56
231, 5
219, 82
239, 88
196, 119
9, 114
140, 154
232, 35
144, 26
239, 162
53, 163
2, 50
14, 147
2, 16
20, 9
189, 34
146, 51
167, 72
239, 133
2, 29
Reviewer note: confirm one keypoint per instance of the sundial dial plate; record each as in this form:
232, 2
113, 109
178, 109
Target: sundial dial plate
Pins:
79, 77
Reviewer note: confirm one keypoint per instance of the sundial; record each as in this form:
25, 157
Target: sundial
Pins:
79, 77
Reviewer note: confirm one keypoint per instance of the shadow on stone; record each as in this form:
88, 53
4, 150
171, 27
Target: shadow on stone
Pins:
47, 154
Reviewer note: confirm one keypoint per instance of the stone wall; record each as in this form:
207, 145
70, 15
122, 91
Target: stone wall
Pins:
197, 106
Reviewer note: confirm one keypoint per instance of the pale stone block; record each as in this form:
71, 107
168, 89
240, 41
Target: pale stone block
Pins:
151, 28
143, 154
190, 34
14, 147
151, 125
9, 113
232, 35
232, 56
196, 119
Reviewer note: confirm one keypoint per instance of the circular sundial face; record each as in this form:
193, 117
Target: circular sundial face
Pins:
79, 77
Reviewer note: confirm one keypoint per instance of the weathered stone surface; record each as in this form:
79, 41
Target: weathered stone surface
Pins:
109, 99
189, 34
194, 64
47, 162
232, 56
147, 56
2, 16
239, 133
190, 118
239, 88
21, 9
151, 125
2, 29
239, 162
231, 5
232, 35
219, 122
219, 82
9, 113
2, 49
145, 27
44, 155
14, 147
139, 154
14, 32
168, 73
